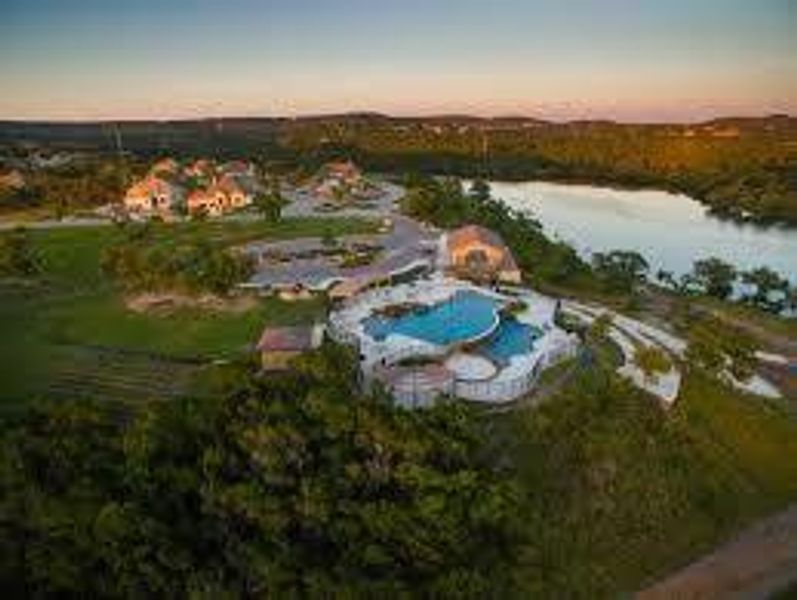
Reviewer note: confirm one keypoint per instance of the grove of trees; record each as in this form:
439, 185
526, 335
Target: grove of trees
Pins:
291, 486
141, 264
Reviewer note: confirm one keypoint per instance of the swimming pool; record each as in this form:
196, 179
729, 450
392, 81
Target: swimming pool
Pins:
510, 339
466, 315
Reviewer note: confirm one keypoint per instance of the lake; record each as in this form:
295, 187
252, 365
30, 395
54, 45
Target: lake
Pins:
670, 230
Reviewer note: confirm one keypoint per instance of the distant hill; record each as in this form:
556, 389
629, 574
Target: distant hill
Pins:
157, 133
742, 167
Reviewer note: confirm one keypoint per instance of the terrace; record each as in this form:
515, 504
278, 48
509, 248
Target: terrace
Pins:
439, 335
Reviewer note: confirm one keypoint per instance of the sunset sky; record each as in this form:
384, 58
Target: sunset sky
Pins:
631, 60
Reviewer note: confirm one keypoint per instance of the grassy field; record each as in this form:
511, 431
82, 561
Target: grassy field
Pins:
48, 323
619, 492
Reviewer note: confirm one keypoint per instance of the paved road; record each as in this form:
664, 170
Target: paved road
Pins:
759, 562
54, 223
408, 243
304, 204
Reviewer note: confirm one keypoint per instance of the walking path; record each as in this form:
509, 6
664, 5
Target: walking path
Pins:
630, 334
759, 562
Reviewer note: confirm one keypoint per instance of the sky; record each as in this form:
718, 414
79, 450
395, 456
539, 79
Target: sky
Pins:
630, 60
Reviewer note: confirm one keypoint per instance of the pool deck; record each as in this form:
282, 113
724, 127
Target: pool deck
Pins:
505, 385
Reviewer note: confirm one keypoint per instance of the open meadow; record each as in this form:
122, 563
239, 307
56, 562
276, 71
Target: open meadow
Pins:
69, 332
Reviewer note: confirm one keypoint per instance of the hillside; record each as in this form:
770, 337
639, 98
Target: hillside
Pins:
742, 167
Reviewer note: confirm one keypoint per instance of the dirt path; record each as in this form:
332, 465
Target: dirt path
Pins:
757, 563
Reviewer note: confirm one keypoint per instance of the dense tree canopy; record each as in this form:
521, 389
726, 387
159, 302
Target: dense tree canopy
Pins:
714, 346
715, 277
292, 485
769, 289
620, 270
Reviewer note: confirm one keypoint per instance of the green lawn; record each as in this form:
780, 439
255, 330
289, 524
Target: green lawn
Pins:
619, 492
74, 305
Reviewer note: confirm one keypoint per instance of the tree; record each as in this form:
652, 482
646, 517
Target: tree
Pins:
652, 361
770, 288
140, 265
714, 346
620, 270
328, 239
18, 256
715, 277
667, 279
270, 204
599, 329
287, 486
791, 299
479, 190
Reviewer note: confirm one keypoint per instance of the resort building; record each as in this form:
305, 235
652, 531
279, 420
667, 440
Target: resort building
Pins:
165, 166
238, 167
238, 190
12, 180
204, 202
218, 199
279, 345
200, 169
216, 190
476, 253
339, 177
153, 196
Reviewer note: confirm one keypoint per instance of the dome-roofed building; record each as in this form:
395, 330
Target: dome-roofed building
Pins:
475, 252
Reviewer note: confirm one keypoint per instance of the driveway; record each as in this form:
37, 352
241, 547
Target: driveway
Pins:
408, 244
305, 204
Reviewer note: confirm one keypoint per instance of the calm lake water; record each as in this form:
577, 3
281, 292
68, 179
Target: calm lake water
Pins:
671, 231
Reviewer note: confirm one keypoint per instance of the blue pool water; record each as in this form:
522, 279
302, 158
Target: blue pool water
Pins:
510, 339
464, 316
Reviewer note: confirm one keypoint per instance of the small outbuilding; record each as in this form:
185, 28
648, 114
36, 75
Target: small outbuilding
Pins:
279, 345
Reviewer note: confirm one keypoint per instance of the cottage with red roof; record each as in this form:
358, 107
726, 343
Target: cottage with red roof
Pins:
339, 177
166, 167
153, 196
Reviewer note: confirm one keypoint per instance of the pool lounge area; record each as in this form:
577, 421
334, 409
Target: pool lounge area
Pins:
510, 338
466, 315
461, 339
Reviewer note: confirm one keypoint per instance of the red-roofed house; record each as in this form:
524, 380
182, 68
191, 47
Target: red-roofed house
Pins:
238, 167
203, 202
339, 177
200, 169
153, 196
226, 195
279, 345
165, 166
237, 195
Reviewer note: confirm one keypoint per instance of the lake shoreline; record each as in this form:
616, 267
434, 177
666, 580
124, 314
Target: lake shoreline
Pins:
624, 186
671, 230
